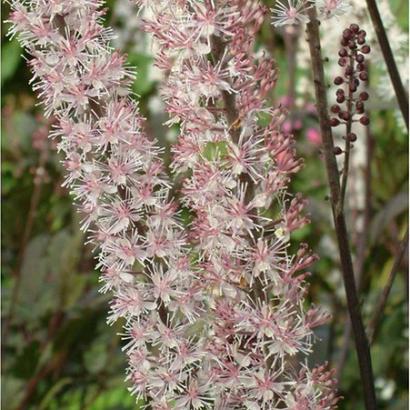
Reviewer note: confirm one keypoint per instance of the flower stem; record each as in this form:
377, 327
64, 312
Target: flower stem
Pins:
401, 95
362, 345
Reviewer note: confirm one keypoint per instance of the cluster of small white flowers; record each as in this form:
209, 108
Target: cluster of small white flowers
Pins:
235, 164
291, 12
117, 178
214, 318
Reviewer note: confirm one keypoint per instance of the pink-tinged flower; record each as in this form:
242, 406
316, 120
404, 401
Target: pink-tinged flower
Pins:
116, 176
331, 8
289, 12
205, 311
235, 171
286, 101
313, 136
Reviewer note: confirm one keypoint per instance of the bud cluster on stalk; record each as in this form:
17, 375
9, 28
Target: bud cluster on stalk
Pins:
350, 96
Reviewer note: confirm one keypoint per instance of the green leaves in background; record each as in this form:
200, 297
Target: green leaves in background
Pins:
143, 84
10, 59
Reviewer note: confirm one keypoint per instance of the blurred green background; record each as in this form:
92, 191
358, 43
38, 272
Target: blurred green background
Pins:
58, 352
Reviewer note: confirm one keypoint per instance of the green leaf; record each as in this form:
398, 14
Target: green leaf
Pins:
116, 399
12, 390
35, 294
214, 150
26, 362
143, 84
95, 358
10, 59
55, 389
397, 205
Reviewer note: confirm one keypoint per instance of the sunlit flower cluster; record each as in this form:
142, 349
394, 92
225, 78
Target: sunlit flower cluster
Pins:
117, 178
291, 12
214, 311
236, 164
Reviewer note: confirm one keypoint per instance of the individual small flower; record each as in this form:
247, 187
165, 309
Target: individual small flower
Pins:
287, 12
313, 136
332, 8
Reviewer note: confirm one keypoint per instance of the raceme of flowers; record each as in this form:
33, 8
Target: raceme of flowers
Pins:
214, 311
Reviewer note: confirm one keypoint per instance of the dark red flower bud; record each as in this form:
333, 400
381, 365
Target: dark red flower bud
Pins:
352, 44
359, 107
365, 120
360, 67
354, 28
335, 108
343, 52
365, 49
338, 80
363, 76
342, 62
344, 115
340, 99
347, 34
360, 58
334, 122
364, 96
348, 71
337, 150
352, 137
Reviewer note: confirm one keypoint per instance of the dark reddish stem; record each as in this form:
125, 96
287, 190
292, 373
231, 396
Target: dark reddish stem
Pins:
362, 345
362, 248
401, 95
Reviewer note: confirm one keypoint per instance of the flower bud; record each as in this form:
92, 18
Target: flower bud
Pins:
338, 80
334, 122
352, 137
363, 76
360, 58
343, 52
365, 49
335, 108
364, 96
365, 120
347, 34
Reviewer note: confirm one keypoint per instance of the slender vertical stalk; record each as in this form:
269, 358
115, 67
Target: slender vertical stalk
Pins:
362, 345
362, 248
401, 95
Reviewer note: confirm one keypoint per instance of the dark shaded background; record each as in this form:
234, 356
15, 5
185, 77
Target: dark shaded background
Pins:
58, 352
